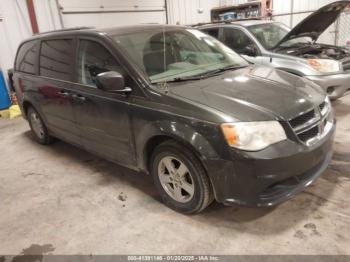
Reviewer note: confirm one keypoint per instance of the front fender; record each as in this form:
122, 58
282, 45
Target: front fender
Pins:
181, 132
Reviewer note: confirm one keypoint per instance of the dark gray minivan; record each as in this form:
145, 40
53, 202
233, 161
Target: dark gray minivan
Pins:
177, 104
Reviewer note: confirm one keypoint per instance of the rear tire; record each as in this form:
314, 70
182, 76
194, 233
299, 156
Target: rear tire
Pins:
38, 128
180, 178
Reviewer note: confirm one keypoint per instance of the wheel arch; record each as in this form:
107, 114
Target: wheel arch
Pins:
156, 140
156, 133
27, 104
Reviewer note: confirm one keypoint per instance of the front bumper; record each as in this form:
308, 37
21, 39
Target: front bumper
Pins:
336, 86
270, 176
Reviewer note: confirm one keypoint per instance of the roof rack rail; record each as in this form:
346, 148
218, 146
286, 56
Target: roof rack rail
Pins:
230, 21
67, 29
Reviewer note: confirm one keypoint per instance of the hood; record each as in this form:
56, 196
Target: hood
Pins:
316, 23
254, 93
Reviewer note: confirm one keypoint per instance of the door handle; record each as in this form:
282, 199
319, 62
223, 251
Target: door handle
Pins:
64, 93
79, 97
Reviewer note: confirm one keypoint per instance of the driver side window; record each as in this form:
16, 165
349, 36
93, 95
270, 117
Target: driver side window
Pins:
94, 59
236, 39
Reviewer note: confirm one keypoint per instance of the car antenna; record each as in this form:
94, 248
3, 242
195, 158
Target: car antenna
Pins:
164, 85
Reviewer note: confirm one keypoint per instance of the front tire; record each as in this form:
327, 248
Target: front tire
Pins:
38, 128
180, 178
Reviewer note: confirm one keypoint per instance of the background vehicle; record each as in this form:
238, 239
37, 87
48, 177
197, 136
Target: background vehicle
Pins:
295, 51
177, 103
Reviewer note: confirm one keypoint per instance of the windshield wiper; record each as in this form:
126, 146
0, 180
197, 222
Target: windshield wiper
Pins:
186, 78
181, 79
202, 76
221, 70
227, 68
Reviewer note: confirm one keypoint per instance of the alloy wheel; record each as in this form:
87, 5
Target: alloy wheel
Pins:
37, 125
176, 180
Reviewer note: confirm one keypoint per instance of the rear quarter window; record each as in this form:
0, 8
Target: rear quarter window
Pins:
26, 57
214, 32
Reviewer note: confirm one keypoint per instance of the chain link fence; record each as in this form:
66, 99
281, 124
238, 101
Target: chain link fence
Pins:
337, 34
342, 30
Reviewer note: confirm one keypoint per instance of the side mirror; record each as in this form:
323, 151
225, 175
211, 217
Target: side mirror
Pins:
250, 50
112, 81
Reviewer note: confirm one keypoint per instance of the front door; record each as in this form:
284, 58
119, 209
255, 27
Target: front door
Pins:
240, 42
102, 117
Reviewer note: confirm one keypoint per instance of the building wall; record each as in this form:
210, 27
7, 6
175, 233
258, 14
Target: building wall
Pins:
47, 15
106, 13
187, 12
14, 27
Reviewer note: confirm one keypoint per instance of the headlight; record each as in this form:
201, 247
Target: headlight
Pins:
324, 65
253, 136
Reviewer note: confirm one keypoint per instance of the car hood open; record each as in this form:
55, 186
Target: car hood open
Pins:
316, 23
254, 93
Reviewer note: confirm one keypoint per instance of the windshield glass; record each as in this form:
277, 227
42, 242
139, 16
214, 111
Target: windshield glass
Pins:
179, 53
270, 34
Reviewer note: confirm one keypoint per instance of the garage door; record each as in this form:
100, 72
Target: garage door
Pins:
107, 13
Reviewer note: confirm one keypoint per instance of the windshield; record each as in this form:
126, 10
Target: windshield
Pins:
179, 53
270, 34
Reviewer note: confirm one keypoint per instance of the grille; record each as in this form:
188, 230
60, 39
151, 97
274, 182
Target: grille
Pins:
322, 106
302, 119
346, 65
308, 125
307, 135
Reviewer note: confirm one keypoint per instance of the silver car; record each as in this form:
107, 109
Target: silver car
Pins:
296, 51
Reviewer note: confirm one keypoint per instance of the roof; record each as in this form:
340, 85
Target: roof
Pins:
252, 22
109, 31
139, 28
65, 30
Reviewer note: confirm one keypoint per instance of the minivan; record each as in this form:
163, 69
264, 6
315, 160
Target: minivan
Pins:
181, 106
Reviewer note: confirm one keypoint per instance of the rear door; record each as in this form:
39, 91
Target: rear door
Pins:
56, 61
103, 117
